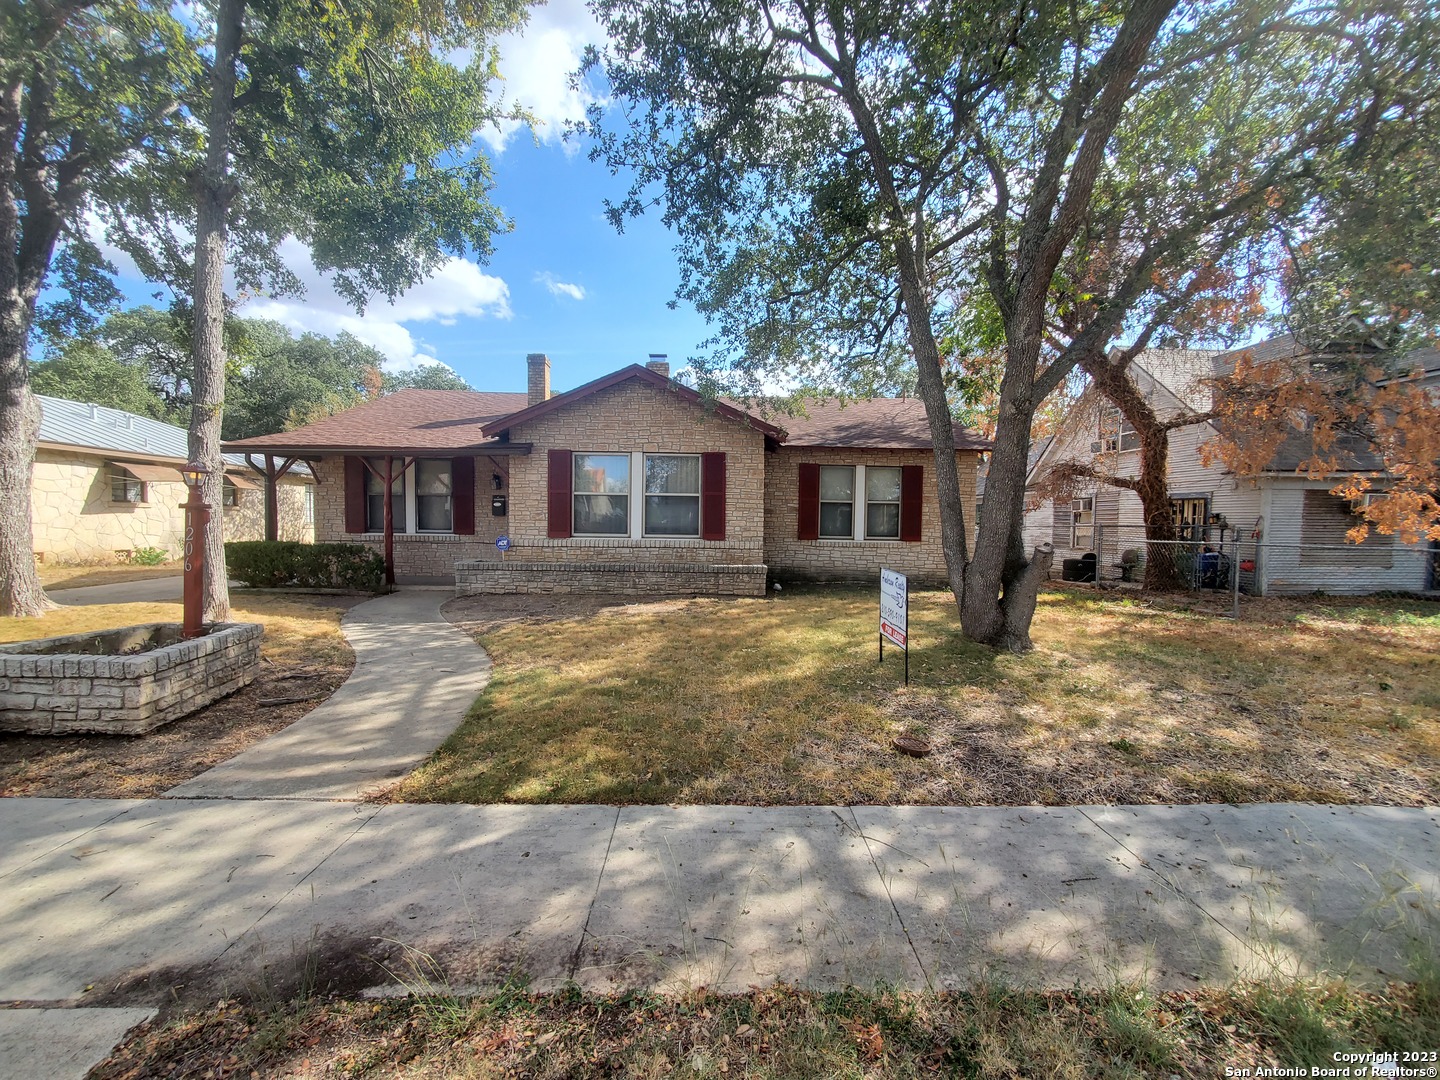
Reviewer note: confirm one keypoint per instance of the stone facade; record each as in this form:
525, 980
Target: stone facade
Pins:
851, 560
48, 692
635, 417
74, 519
653, 579
419, 557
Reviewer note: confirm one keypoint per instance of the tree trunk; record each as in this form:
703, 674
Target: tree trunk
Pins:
1002, 585
214, 192
1161, 573
20, 591
1113, 381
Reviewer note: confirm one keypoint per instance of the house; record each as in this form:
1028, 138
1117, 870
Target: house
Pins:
1282, 528
107, 483
632, 483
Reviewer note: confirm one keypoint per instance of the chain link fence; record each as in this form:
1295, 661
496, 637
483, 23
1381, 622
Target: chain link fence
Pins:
1224, 559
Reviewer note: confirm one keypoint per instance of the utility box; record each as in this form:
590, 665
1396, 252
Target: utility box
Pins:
497, 505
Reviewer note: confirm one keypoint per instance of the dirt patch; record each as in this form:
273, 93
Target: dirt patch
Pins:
293, 663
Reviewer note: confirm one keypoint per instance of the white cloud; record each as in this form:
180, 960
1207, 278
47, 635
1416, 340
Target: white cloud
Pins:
457, 289
560, 288
536, 65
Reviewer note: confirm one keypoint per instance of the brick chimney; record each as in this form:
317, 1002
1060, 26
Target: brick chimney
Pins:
658, 364
538, 389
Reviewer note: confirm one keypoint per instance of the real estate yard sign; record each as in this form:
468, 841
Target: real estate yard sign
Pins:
895, 614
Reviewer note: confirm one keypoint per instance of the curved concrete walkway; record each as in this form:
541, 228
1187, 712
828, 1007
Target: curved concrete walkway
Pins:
415, 678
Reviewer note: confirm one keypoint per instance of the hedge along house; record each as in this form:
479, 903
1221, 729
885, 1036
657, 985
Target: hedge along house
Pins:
632, 483
107, 483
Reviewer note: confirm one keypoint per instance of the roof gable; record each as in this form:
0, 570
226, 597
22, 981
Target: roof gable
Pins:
661, 382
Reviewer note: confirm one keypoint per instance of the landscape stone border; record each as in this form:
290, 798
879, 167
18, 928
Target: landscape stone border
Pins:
47, 691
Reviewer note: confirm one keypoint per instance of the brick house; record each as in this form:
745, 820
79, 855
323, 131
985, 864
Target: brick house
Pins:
632, 483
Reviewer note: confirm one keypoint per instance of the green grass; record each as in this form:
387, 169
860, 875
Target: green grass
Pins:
990, 1031
782, 701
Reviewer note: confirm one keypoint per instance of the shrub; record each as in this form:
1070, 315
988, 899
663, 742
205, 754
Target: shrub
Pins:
271, 564
149, 556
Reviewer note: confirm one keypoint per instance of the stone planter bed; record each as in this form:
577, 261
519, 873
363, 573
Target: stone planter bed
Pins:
122, 682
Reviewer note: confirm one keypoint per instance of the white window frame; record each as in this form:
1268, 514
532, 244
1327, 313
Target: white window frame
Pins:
309, 504
635, 511
1123, 438
1082, 520
863, 496
645, 493
412, 499
857, 478
408, 489
229, 494
860, 509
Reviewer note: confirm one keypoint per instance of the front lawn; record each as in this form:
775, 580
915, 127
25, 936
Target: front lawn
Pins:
302, 654
781, 701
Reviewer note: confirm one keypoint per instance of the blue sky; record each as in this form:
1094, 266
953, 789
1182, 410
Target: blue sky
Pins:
563, 282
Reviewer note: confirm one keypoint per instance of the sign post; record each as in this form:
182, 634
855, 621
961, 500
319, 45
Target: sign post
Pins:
895, 615
503, 544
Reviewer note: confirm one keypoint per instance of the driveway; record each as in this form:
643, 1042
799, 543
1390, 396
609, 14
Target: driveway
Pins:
145, 591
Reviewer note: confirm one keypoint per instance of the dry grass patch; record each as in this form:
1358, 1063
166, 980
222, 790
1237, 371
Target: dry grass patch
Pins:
781, 701
988, 1032
55, 578
302, 637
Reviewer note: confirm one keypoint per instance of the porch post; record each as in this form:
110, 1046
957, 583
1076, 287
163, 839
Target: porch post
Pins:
389, 521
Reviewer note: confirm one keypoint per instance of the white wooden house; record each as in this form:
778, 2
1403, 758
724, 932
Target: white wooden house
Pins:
1284, 531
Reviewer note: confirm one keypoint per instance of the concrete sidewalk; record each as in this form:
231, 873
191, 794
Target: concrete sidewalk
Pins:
415, 677
130, 898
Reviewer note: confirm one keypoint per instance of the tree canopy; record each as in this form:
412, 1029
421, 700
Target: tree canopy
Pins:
855, 185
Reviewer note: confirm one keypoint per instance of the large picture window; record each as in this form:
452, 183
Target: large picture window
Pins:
602, 494
837, 502
882, 503
432, 496
672, 495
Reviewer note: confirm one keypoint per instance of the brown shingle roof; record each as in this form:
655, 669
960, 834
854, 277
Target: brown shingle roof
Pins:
422, 420
871, 424
404, 420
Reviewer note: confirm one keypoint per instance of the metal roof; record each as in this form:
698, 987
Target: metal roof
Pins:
115, 432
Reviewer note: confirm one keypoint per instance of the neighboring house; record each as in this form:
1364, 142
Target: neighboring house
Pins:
1300, 526
632, 483
107, 483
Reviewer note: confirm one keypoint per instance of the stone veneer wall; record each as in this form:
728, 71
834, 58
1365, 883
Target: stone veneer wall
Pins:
73, 519
246, 521
651, 579
635, 416
65, 694
849, 560
626, 418
417, 555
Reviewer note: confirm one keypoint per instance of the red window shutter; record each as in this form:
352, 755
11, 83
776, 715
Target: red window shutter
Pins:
354, 494
559, 487
712, 496
912, 501
462, 493
809, 502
